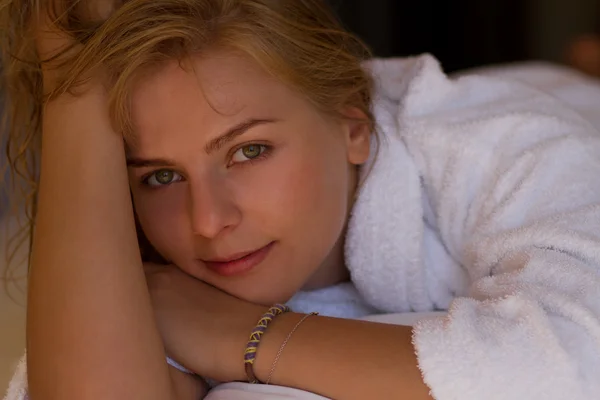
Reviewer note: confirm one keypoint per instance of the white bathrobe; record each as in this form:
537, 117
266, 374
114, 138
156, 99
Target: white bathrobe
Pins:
483, 201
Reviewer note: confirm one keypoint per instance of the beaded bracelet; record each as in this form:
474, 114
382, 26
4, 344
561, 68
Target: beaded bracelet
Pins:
255, 336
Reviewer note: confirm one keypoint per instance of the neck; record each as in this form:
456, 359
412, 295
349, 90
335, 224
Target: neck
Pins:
333, 269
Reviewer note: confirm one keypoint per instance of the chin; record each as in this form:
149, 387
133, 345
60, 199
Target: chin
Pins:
266, 297
260, 291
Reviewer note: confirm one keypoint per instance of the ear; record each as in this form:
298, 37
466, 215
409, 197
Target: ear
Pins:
357, 133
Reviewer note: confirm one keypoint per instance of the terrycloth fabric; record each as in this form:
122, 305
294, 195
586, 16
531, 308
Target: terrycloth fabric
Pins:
484, 199
341, 301
575, 89
17, 388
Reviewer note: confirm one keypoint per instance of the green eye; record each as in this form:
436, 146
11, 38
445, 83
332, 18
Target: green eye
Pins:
162, 177
251, 151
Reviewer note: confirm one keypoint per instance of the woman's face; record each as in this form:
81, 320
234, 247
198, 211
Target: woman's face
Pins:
239, 181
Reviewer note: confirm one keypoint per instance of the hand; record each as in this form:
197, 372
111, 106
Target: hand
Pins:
203, 328
55, 46
51, 42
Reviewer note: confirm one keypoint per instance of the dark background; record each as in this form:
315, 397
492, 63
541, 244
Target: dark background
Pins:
467, 33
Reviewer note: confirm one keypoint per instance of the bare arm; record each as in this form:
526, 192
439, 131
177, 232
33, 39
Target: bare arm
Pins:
90, 328
206, 330
187, 387
343, 359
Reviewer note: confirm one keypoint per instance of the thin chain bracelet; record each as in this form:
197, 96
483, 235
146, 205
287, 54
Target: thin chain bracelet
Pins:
285, 342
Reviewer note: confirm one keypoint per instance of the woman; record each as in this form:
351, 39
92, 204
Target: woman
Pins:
249, 134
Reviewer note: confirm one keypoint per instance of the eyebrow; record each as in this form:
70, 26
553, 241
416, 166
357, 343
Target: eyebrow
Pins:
212, 146
150, 162
238, 130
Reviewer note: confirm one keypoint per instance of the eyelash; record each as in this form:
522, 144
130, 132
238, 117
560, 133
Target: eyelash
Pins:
265, 153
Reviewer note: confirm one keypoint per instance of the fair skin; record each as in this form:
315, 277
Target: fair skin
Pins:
97, 329
207, 330
86, 220
295, 192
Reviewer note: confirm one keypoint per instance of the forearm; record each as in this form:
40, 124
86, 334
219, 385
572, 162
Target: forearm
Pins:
206, 330
186, 386
90, 328
343, 359
337, 358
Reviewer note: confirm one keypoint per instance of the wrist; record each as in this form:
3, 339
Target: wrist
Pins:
272, 342
91, 93
269, 345
273, 338
82, 117
231, 367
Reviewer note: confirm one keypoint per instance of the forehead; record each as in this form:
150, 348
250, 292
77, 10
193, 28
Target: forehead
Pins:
208, 93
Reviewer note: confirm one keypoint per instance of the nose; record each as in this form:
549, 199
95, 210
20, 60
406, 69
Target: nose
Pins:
212, 209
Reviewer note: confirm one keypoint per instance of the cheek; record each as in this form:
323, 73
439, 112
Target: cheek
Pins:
302, 196
162, 218
317, 187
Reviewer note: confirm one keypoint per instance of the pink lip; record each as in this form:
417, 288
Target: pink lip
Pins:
238, 263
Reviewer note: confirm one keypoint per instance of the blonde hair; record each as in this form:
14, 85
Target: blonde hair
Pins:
300, 42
